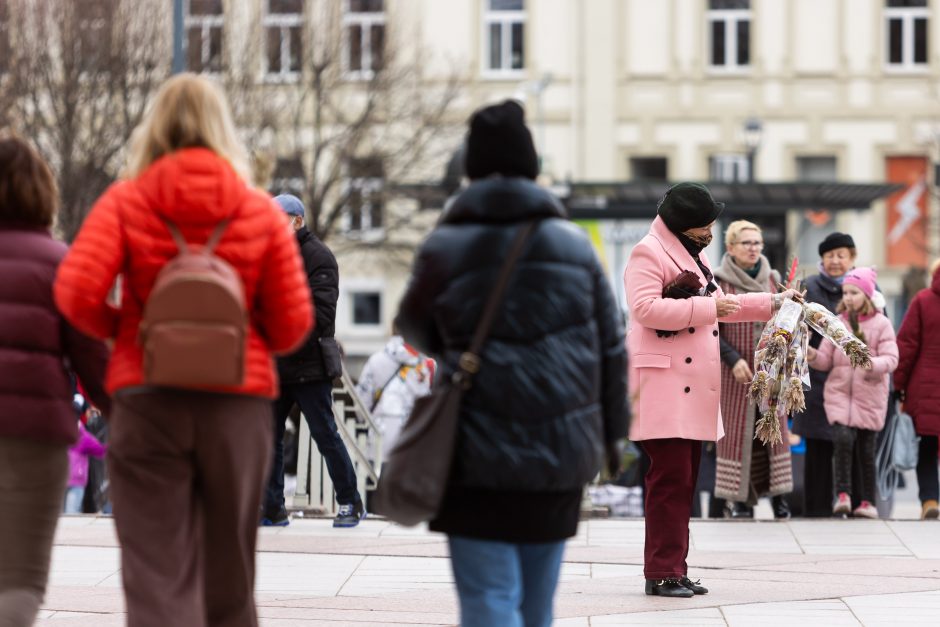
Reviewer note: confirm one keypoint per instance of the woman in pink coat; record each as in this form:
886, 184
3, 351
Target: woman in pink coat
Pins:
856, 399
675, 376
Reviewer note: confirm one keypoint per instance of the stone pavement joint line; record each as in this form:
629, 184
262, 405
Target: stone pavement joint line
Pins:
806, 572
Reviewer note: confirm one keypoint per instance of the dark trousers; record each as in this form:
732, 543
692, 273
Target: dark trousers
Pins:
853, 447
316, 403
187, 474
33, 478
817, 479
928, 484
670, 482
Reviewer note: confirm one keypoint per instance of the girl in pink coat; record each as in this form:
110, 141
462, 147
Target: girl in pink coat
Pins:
675, 376
856, 399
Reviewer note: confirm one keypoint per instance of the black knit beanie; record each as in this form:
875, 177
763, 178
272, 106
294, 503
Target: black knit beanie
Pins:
500, 143
688, 206
836, 240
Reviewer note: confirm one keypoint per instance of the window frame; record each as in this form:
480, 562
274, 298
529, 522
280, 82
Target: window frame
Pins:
365, 20
721, 163
368, 186
907, 15
506, 19
729, 17
206, 23
284, 22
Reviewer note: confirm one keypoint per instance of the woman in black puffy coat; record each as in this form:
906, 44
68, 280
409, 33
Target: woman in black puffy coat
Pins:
551, 391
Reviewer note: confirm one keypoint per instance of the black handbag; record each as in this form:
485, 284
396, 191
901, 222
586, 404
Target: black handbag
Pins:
414, 479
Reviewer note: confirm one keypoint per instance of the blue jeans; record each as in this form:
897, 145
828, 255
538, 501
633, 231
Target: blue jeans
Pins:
506, 584
316, 403
73, 499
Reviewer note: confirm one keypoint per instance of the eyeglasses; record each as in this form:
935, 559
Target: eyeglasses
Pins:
751, 244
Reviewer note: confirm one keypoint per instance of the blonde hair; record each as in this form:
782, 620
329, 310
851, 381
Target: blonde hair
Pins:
189, 111
734, 230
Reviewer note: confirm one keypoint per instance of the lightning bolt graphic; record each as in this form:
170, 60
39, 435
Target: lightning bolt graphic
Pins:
908, 210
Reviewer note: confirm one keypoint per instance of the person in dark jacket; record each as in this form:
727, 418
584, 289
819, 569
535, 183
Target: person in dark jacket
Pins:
551, 389
38, 349
838, 255
916, 381
307, 380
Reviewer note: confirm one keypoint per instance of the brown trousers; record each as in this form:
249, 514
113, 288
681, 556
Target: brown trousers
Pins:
32, 483
670, 484
187, 472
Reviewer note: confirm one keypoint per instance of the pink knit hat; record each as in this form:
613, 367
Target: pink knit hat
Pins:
862, 278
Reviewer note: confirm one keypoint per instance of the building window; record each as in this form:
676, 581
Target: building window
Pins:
366, 308
729, 168
288, 177
364, 37
906, 33
92, 22
365, 207
729, 27
203, 22
283, 33
504, 36
649, 168
6, 50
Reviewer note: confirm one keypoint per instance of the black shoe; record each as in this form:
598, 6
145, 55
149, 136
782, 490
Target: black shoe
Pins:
277, 519
668, 588
780, 507
694, 586
738, 510
349, 515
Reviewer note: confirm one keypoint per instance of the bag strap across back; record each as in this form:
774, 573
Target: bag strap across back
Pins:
210, 244
469, 363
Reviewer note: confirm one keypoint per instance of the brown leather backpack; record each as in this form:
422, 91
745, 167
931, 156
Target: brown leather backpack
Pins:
194, 326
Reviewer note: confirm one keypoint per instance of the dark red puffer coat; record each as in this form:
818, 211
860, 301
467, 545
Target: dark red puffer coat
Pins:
124, 234
37, 346
918, 372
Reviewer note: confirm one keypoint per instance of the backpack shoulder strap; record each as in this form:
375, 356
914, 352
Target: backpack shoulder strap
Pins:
211, 243
216, 236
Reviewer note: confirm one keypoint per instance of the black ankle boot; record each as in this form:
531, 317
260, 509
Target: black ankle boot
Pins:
738, 510
694, 586
780, 507
668, 588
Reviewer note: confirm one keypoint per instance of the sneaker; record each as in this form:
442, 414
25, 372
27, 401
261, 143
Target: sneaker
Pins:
930, 510
843, 504
349, 515
865, 510
280, 519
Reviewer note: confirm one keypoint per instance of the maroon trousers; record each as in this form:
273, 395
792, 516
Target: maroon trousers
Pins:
670, 485
187, 473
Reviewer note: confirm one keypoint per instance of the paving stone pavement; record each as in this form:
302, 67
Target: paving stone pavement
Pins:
761, 572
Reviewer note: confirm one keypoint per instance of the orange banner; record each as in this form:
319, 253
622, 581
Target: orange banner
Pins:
907, 212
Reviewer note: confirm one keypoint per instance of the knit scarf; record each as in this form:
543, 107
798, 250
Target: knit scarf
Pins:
730, 272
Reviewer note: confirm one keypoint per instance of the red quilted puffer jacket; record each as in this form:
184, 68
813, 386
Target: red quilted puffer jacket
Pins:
124, 235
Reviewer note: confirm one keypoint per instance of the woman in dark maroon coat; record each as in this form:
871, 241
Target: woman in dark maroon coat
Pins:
916, 378
37, 351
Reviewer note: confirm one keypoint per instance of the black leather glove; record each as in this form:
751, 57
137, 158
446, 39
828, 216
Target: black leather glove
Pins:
614, 454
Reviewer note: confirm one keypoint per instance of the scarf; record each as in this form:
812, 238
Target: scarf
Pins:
730, 272
834, 279
695, 248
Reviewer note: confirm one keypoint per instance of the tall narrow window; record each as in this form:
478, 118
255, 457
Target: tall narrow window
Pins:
729, 168
364, 37
729, 28
6, 50
283, 34
92, 24
365, 209
204, 20
288, 177
504, 36
906, 33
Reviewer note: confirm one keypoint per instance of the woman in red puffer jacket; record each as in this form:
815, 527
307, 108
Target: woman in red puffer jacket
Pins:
187, 465
916, 379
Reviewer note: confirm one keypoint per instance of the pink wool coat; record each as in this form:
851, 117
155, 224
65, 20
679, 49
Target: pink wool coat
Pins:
855, 397
675, 381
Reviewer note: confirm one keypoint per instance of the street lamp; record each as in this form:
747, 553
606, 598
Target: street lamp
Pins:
753, 128
536, 87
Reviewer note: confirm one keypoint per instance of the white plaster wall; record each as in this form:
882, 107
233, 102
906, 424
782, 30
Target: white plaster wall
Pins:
687, 138
860, 35
648, 34
770, 35
600, 74
815, 35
